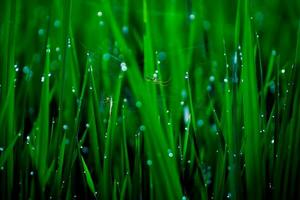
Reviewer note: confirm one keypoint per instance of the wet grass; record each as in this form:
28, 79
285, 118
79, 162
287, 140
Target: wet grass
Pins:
149, 99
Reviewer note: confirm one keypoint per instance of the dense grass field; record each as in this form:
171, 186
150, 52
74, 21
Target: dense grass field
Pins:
149, 99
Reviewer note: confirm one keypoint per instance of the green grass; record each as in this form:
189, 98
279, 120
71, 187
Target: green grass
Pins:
149, 99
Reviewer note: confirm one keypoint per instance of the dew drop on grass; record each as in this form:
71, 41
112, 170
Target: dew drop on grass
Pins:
200, 122
138, 104
16, 67
182, 103
183, 198
283, 71
106, 56
69, 43
235, 58
31, 173
272, 87
211, 78
161, 56
123, 66
1, 149
65, 127
225, 80
186, 114
183, 94
192, 17
186, 75
149, 162
41, 32
125, 30
99, 13
57, 23
170, 153
209, 88
228, 195
101, 23
272, 141
87, 125
42, 79
142, 128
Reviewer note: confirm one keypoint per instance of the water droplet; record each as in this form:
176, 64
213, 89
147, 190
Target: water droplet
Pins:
228, 195
125, 29
183, 94
211, 78
283, 71
31, 173
99, 13
170, 153
272, 141
65, 127
87, 125
41, 32
123, 66
42, 79
149, 162
225, 80
138, 104
57, 23
183, 198
142, 128
69, 42
186, 114
235, 58
186, 75
209, 88
1, 149
106, 56
192, 17
161, 56
101, 23
200, 122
